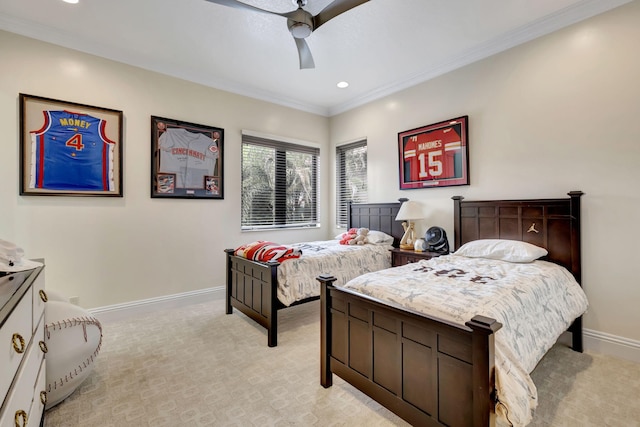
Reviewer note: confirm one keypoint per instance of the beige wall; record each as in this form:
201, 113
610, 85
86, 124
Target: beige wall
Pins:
557, 114
117, 250
560, 113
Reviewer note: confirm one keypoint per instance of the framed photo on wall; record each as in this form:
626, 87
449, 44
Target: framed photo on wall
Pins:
435, 155
69, 149
186, 160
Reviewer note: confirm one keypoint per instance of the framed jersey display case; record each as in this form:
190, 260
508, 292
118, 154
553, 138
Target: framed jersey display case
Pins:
435, 155
69, 149
186, 160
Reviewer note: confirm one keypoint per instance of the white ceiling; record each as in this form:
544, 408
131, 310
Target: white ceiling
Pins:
379, 47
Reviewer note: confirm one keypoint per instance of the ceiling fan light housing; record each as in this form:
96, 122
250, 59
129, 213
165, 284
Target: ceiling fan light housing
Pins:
300, 23
300, 30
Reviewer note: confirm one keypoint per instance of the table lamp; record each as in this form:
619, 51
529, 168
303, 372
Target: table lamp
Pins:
409, 211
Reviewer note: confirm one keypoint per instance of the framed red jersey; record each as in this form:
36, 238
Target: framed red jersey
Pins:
435, 155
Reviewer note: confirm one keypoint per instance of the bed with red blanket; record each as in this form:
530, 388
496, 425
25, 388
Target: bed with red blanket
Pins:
260, 288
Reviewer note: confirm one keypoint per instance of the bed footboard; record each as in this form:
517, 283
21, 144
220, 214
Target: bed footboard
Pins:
251, 288
426, 370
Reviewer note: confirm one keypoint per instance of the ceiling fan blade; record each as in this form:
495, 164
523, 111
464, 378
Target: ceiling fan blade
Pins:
306, 60
239, 5
334, 9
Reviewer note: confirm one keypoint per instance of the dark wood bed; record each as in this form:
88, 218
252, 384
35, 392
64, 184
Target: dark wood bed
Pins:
428, 371
251, 286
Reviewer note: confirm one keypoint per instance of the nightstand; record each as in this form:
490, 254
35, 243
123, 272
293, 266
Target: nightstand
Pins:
403, 256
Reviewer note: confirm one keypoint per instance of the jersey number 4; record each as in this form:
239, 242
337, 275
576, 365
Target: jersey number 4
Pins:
75, 141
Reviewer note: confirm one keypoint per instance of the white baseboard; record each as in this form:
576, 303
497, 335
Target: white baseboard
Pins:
612, 345
123, 311
594, 341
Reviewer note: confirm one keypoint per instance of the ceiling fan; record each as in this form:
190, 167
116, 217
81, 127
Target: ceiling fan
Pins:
300, 22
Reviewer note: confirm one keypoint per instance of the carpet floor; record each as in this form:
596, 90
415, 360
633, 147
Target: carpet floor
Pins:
197, 366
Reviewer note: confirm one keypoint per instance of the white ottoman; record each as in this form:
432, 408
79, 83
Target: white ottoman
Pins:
73, 339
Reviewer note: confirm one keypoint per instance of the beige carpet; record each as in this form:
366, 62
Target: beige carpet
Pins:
196, 366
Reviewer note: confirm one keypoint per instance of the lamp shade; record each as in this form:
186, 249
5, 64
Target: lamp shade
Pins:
410, 210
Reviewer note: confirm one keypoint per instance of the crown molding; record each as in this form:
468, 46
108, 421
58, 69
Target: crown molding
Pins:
563, 18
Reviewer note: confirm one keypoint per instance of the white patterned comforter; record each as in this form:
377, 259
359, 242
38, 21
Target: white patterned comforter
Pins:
536, 302
297, 277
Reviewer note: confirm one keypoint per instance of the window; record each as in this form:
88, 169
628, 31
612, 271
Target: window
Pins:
279, 184
351, 178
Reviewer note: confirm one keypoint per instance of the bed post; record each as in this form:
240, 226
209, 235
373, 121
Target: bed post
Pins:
575, 235
229, 308
272, 329
326, 378
457, 225
576, 264
483, 369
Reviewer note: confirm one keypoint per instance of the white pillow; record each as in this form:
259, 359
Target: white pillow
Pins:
379, 238
505, 250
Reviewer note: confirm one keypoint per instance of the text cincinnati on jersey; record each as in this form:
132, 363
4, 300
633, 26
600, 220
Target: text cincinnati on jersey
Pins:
188, 152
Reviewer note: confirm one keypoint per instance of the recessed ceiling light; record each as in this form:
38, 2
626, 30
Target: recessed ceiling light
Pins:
71, 1
343, 85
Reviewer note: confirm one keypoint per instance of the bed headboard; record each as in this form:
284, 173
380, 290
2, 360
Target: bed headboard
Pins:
377, 216
553, 224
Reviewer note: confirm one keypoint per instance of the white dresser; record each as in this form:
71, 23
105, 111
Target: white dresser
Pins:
22, 348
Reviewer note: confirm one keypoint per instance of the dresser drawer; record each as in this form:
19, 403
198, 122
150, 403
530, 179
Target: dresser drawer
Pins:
39, 397
21, 395
39, 299
18, 323
404, 259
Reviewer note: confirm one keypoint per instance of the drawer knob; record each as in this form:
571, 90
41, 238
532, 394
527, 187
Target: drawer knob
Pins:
43, 295
18, 344
43, 346
43, 397
21, 416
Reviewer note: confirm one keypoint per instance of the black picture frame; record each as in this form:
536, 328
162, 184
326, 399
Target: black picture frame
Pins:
69, 149
186, 160
436, 155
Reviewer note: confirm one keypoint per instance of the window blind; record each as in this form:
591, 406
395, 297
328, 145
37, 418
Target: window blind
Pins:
279, 184
351, 178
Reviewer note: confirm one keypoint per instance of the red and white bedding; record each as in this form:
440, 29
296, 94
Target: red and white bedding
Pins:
297, 277
536, 302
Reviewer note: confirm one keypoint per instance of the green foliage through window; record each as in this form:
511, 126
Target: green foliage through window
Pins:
279, 184
351, 178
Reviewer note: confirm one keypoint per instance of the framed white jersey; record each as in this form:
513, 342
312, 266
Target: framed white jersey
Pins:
435, 155
187, 159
